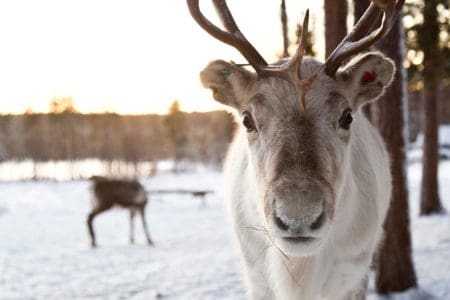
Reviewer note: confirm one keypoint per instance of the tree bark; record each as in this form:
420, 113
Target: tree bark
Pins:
335, 23
429, 197
395, 270
359, 7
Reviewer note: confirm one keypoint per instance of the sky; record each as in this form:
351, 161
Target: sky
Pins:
130, 57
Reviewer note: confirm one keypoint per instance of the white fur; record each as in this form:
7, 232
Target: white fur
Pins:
338, 267
361, 187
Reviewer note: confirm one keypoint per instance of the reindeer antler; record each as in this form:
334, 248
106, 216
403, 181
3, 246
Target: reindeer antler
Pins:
289, 71
233, 37
356, 41
360, 39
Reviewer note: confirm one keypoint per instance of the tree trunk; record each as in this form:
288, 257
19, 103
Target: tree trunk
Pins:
395, 270
284, 29
335, 23
429, 196
359, 7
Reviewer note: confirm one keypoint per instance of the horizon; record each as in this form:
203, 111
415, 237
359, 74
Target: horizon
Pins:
218, 109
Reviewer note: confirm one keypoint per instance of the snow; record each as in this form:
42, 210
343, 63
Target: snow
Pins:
444, 137
66, 170
411, 294
45, 253
431, 241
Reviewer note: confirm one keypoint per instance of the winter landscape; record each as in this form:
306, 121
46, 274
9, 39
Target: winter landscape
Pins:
45, 253
120, 90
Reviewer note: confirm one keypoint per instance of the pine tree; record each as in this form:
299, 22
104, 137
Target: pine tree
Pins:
335, 23
395, 269
429, 42
177, 128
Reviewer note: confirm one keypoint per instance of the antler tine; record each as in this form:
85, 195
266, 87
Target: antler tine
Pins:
233, 37
358, 40
297, 59
293, 65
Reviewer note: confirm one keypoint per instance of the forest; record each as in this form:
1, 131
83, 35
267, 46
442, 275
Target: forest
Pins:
66, 135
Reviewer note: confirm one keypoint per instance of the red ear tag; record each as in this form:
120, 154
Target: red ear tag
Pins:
368, 77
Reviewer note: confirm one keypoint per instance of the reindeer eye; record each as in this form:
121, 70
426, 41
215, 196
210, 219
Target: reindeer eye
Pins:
346, 119
248, 122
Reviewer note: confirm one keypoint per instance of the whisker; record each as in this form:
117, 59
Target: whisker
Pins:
266, 247
281, 251
270, 244
290, 273
256, 228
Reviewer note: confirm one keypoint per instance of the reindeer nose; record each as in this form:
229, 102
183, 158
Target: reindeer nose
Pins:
299, 225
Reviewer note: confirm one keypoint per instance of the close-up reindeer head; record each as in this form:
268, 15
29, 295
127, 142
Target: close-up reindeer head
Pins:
297, 114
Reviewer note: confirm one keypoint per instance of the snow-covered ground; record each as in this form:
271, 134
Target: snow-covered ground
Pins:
415, 150
44, 250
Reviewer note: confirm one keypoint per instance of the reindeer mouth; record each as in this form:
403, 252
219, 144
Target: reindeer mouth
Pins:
298, 239
298, 245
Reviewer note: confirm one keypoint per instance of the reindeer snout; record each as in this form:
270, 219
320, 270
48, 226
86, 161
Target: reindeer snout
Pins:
299, 209
298, 225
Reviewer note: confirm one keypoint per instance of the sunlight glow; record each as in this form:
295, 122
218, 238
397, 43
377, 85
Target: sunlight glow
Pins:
134, 56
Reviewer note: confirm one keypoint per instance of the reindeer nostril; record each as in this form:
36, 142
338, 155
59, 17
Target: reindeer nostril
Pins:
318, 222
280, 223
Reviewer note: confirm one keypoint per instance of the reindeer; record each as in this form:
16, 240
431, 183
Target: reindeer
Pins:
307, 176
107, 193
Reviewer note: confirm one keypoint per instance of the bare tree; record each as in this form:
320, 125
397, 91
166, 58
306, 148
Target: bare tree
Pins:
429, 42
298, 32
177, 128
359, 7
284, 28
395, 270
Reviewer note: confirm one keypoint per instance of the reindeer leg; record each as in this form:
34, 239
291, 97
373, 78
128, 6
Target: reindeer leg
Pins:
144, 224
132, 214
90, 220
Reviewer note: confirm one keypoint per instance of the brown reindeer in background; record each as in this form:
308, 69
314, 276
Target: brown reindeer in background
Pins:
107, 193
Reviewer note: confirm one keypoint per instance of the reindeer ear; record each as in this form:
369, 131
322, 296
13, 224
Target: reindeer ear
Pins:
365, 77
228, 82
